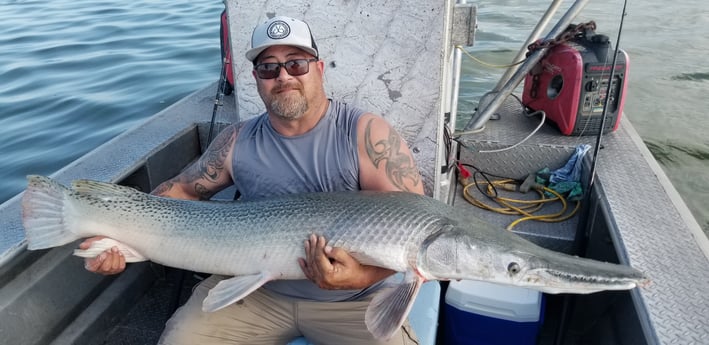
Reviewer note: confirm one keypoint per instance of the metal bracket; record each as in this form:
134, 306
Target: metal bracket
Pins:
464, 24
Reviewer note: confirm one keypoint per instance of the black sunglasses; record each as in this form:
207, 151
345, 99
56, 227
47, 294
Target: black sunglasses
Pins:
270, 70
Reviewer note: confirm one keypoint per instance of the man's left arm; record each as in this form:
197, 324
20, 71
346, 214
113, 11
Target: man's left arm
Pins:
385, 160
385, 164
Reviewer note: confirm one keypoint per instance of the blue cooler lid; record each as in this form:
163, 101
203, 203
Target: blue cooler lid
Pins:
495, 300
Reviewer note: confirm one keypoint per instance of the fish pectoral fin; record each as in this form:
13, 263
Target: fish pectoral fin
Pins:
232, 290
105, 244
389, 308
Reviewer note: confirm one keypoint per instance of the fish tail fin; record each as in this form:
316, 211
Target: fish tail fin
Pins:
43, 214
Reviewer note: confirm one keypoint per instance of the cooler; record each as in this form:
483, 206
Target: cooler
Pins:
490, 314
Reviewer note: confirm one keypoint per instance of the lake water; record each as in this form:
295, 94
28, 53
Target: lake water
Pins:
74, 74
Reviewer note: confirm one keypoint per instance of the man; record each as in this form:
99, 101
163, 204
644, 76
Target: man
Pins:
304, 142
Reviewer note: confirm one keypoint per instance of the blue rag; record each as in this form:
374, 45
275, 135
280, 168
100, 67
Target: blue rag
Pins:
571, 171
566, 179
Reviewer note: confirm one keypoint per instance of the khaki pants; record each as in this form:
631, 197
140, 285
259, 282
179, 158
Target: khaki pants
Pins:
264, 318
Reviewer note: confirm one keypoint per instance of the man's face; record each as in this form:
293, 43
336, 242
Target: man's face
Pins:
287, 96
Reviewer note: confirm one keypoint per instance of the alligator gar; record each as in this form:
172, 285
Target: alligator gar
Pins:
261, 240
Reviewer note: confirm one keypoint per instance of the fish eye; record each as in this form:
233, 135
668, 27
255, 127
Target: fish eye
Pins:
513, 268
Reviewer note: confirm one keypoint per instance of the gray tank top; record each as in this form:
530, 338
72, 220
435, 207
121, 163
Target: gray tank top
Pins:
325, 159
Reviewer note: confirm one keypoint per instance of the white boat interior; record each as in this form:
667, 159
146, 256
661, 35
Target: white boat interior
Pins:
399, 59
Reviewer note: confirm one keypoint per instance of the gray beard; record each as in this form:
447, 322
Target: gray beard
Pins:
290, 107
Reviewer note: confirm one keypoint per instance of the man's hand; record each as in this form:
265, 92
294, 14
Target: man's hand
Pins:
335, 269
106, 263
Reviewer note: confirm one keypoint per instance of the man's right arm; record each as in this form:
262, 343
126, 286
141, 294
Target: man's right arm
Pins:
200, 181
210, 174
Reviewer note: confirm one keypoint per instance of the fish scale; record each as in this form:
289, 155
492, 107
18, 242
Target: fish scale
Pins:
283, 224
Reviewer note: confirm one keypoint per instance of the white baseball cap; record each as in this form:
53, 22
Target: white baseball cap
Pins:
281, 30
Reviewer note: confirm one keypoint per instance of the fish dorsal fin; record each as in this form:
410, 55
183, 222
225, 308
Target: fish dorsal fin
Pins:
389, 308
232, 290
105, 244
103, 188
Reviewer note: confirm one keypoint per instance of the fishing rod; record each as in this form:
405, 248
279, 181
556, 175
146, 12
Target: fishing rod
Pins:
604, 116
218, 98
580, 241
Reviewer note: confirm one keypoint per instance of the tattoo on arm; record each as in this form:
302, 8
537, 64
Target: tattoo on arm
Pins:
212, 162
163, 188
209, 167
399, 166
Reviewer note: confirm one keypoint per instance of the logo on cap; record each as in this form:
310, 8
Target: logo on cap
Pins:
278, 29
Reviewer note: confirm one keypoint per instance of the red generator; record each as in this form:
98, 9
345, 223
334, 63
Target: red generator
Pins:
570, 85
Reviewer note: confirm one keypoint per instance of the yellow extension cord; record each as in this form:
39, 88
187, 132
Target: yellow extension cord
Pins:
525, 208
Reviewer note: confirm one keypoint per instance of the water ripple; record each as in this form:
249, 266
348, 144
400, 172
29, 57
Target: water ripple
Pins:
672, 152
84, 74
696, 76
